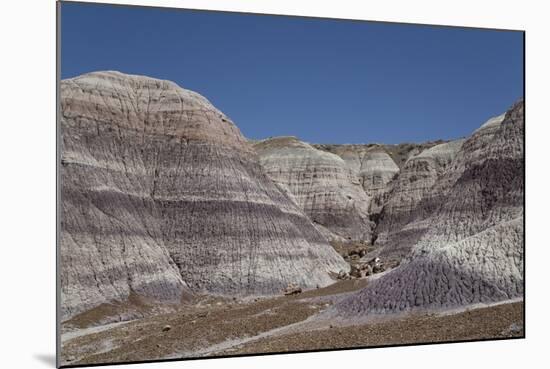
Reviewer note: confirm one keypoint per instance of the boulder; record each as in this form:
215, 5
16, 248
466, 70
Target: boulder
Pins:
292, 289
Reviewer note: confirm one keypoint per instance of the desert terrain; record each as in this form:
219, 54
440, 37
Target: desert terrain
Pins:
211, 326
182, 238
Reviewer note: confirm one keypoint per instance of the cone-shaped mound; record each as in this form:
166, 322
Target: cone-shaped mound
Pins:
161, 194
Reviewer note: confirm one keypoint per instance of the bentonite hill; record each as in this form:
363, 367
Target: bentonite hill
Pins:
170, 215
163, 196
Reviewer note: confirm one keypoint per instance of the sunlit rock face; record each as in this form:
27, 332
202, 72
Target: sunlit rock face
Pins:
376, 166
161, 195
376, 171
410, 198
322, 185
372, 165
471, 247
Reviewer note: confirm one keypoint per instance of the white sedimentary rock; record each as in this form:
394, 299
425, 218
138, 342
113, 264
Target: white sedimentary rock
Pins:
376, 172
409, 199
320, 183
370, 163
376, 166
377, 169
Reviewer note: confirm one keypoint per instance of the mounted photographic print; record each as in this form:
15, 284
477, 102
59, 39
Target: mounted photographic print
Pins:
241, 184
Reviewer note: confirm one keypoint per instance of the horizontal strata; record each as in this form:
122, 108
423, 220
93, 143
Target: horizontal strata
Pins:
162, 196
106, 256
377, 166
109, 101
484, 185
470, 249
320, 183
422, 186
371, 164
409, 200
105, 189
377, 169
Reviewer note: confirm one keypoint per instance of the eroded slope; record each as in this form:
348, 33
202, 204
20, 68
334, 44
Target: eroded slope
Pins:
321, 183
161, 194
472, 247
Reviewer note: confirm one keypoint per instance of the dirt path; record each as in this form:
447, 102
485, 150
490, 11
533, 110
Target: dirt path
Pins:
499, 321
215, 326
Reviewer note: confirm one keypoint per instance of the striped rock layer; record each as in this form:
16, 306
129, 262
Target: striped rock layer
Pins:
161, 195
471, 248
320, 183
374, 167
377, 166
371, 163
409, 200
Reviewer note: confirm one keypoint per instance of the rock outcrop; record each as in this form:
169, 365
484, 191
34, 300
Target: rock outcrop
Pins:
376, 166
354, 154
411, 198
321, 183
377, 170
371, 163
471, 248
161, 195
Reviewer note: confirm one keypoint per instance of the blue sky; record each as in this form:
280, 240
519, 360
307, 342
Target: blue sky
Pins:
325, 81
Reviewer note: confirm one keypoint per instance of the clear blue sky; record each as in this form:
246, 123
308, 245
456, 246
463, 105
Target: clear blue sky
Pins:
325, 81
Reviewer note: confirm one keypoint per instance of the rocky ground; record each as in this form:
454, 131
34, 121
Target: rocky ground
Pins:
494, 322
213, 326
